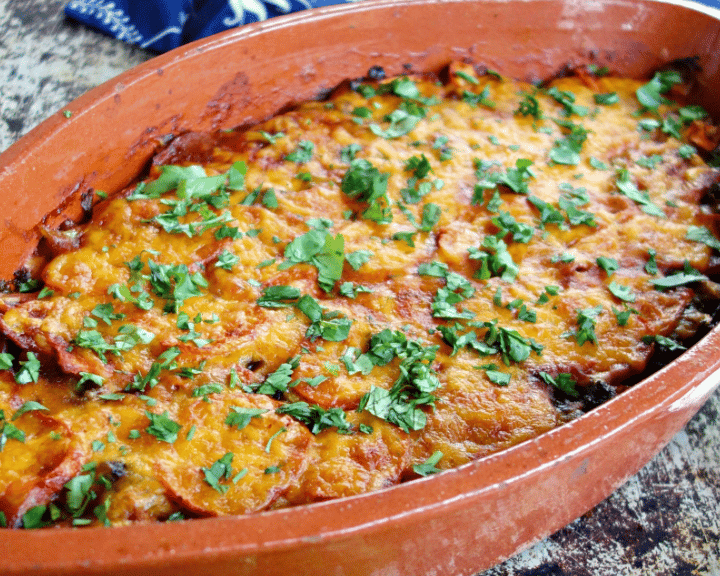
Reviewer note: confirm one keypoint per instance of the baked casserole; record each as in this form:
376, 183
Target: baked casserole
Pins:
395, 280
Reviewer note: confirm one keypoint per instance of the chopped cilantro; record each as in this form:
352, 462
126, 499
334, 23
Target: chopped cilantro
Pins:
419, 166
226, 260
650, 95
278, 296
651, 266
29, 370
240, 417
597, 164
303, 153
436, 269
704, 235
516, 178
650, 162
628, 188
495, 260
317, 418
567, 100
358, 258
663, 341
367, 184
429, 466
606, 99
610, 265
331, 326
207, 389
562, 381
270, 441
622, 292
479, 99
33, 518
529, 106
350, 290
687, 276
348, 153
586, 325
220, 469
465, 76
498, 377
687, 151
162, 427
567, 150
623, 316
29, 406
322, 250
430, 217
6, 361
279, 380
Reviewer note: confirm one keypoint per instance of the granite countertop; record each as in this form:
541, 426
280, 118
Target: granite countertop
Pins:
664, 521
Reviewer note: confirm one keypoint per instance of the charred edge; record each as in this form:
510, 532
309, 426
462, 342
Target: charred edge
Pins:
565, 71
689, 66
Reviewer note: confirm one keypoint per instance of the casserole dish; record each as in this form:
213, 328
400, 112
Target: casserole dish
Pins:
432, 511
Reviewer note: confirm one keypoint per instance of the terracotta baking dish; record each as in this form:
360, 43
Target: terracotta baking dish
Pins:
457, 522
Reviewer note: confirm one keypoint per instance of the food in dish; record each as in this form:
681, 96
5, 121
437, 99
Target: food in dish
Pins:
396, 280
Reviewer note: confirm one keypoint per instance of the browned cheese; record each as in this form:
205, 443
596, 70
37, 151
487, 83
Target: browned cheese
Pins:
400, 279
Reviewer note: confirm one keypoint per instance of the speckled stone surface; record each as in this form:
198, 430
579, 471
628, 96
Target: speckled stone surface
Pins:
664, 522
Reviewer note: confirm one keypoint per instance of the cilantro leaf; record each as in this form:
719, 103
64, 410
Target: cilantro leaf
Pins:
622, 292
629, 189
529, 106
162, 427
278, 381
567, 150
567, 100
704, 235
430, 217
365, 183
358, 258
495, 260
29, 370
498, 377
428, 467
303, 153
606, 99
650, 95
240, 416
586, 325
665, 342
516, 178
278, 296
610, 265
6, 361
29, 406
220, 469
562, 381
317, 418
322, 250
687, 276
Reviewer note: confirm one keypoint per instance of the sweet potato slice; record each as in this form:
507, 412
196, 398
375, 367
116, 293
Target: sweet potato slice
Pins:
268, 455
347, 464
35, 463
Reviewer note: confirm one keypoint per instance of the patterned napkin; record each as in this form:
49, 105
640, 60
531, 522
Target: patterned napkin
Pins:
161, 25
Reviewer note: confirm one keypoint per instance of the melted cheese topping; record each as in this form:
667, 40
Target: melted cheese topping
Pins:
395, 281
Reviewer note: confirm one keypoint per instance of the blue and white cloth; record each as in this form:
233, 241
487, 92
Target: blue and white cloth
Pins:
162, 25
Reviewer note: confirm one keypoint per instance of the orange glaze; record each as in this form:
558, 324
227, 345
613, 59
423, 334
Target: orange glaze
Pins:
172, 385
